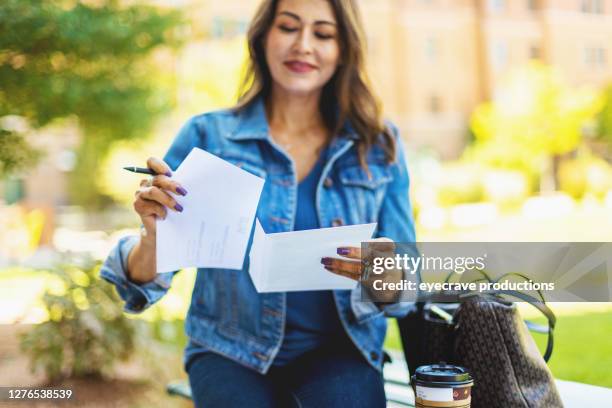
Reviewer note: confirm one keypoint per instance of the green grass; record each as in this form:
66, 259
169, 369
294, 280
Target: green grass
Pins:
582, 352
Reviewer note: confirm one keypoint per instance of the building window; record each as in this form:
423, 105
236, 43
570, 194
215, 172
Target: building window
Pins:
435, 105
600, 57
497, 6
535, 52
532, 5
499, 55
595, 57
432, 49
227, 28
585, 6
592, 6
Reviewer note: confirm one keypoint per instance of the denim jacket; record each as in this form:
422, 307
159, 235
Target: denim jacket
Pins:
227, 316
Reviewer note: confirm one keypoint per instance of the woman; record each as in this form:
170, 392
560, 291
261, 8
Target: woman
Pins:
310, 126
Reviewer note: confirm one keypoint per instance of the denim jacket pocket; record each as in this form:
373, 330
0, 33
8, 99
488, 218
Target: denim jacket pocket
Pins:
364, 192
357, 176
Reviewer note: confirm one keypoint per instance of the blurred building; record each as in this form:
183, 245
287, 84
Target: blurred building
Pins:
431, 61
434, 60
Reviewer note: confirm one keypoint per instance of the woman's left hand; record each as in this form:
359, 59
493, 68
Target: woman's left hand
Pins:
351, 266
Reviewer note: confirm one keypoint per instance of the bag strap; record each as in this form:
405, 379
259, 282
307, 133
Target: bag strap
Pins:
485, 276
545, 310
520, 275
541, 306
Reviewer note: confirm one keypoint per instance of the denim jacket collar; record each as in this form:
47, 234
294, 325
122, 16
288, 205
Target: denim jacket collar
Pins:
252, 123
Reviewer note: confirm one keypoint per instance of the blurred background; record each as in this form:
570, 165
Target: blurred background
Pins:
505, 107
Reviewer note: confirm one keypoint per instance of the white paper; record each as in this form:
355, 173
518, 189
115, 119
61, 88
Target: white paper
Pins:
218, 211
290, 261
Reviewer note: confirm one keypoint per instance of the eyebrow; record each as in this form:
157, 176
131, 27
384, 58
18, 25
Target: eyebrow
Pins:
295, 16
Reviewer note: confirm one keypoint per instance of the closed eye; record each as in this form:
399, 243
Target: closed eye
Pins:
287, 29
324, 36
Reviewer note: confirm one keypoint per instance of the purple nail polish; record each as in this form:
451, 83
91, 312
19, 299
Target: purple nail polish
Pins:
181, 191
178, 207
326, 261
169, 174
343, 251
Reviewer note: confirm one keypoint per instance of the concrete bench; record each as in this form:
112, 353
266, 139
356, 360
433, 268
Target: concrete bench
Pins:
399, 393
573, 394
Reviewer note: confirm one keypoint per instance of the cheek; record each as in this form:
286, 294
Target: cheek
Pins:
330, 58
273, 48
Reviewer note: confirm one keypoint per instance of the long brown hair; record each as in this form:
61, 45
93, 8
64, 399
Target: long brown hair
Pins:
346, 96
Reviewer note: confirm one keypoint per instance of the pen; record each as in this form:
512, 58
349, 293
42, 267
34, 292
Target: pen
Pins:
141, 170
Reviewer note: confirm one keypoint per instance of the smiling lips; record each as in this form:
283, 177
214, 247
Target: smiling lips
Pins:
299, 67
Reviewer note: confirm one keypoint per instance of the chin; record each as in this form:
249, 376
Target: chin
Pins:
300, 87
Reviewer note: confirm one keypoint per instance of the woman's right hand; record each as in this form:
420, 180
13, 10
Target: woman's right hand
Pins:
152, 199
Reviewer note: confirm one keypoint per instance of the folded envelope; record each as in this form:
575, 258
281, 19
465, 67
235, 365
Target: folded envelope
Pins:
214, 228
291, 261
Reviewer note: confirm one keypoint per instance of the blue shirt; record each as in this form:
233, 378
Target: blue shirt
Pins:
312, 318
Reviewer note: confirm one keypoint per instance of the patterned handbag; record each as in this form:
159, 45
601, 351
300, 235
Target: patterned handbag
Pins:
485, 334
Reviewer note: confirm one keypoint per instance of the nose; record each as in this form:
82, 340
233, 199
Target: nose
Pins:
303, 43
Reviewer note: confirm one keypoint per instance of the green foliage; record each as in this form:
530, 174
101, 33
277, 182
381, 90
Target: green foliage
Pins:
462, 185
585, 174
87, 331
533, 118
604, 118
87, 60
15, 153
583, 351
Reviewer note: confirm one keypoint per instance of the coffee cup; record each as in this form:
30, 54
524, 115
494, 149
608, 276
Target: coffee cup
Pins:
442, 386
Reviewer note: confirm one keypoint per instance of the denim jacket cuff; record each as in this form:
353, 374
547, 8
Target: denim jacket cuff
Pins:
397, 309
365, 310
137, 297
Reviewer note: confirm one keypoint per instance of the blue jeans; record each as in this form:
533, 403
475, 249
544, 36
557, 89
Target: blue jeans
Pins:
332, 376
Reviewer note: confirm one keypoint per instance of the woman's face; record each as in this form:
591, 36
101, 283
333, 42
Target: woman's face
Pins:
302, 47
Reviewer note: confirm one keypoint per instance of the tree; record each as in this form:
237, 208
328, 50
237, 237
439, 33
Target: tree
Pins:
85, 60
604, 119
533, 121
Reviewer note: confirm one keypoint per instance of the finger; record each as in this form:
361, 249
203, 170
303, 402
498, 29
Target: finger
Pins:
158, 166
344, 273
147, 208
160, 196
351, 269
166, 183
350, 252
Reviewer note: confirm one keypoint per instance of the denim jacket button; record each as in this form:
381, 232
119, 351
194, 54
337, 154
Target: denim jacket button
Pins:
374, 355
328, 183
337, 222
